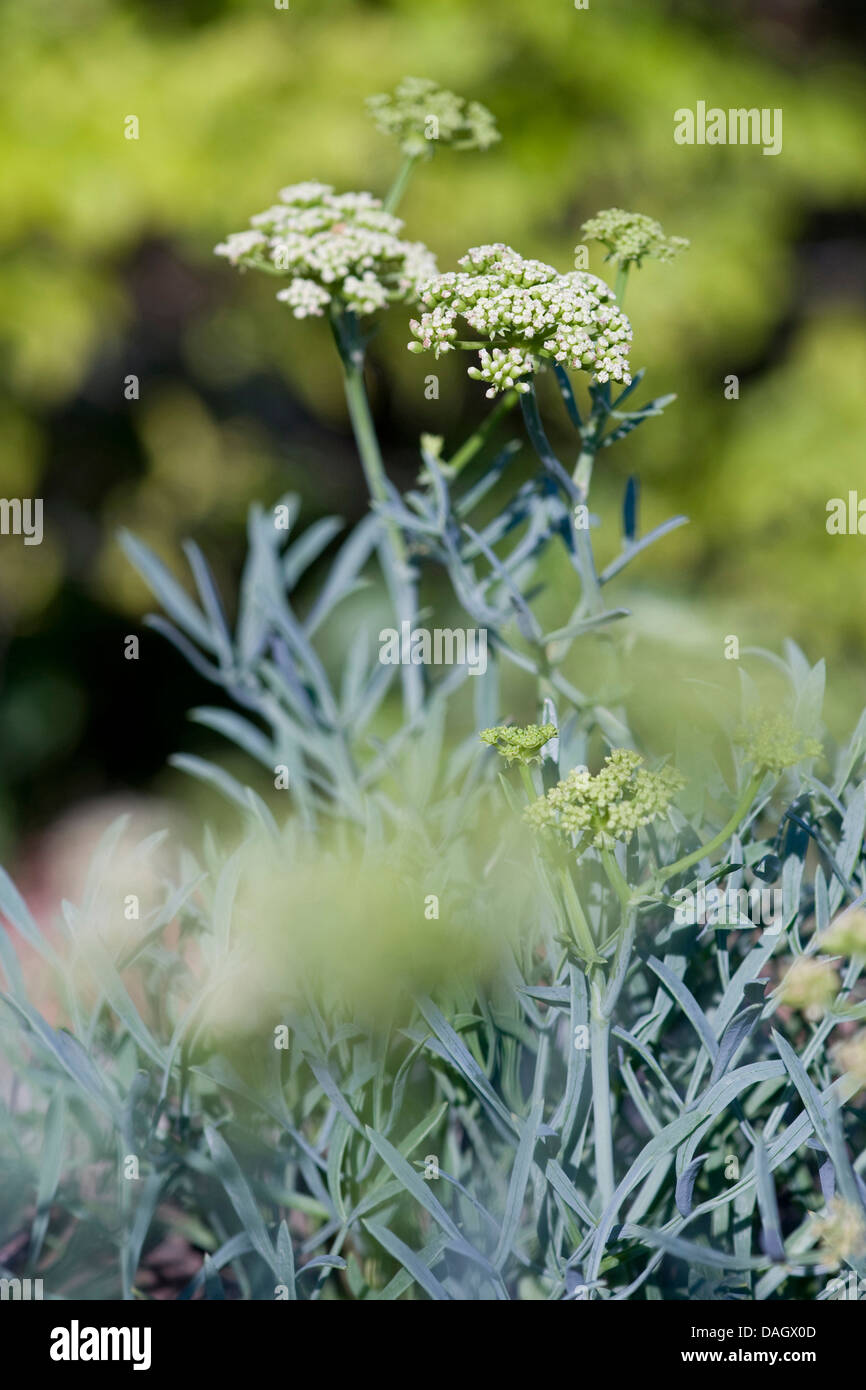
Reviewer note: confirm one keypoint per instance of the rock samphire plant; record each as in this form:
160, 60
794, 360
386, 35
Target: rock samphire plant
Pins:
455, 1017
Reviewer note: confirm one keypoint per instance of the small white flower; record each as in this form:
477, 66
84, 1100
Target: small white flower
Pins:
239, 244
305, 297
304, 194
366, 295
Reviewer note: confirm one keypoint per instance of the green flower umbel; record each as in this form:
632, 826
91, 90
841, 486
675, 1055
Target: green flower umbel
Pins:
631, 236
521, 744
610, 806
421, 115
773, 742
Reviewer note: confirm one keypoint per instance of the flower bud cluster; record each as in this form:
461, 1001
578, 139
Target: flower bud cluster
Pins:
773, 742
631, 236
523, 744
811, 985
420, 114
609, 806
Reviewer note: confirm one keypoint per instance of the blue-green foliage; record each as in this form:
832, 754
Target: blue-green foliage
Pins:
621, 1106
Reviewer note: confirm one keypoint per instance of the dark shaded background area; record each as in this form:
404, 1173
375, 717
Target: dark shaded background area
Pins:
107, 270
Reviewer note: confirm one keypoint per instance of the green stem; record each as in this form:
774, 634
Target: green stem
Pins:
478, 438
621, 960
742, 806
582, 475
620, 283
366, 440
599, 1042
590, 440
398, 573
398, 187
628, 926
526, 778
616, 878
591, 599
575, 915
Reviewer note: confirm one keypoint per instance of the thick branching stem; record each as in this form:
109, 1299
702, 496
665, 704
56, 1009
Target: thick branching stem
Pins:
616, 878
577, 919
599, 1043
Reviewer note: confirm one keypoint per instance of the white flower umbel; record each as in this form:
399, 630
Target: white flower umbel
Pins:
342, 253
332, 247
529, 313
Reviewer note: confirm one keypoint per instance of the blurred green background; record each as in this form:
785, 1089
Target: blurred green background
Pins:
107, 270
